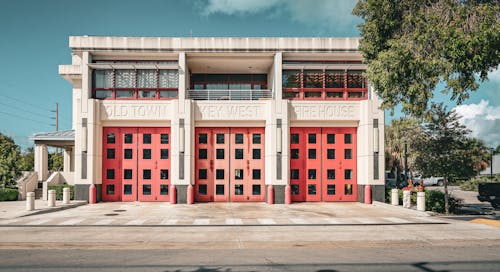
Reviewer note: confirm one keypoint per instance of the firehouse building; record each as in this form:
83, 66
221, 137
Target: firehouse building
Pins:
185, 120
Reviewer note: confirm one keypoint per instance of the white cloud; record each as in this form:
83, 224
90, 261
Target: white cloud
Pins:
495, 75
483, 120
316, 13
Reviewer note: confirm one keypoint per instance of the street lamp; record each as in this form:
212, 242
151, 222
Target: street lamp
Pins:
491, 164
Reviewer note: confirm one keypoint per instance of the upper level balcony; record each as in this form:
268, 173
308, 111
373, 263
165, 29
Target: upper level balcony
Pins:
229, 87
230, 94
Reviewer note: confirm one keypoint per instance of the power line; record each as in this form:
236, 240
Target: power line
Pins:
26, 118
27, 103
24, 110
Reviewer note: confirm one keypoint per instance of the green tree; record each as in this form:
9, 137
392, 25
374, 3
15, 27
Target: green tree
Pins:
444, 149
56, 162
413, 45
27, 160
9, 155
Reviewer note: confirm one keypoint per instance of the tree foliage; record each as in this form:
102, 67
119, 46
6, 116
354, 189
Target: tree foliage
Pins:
9, 155
56, 162
396, 134
27, 160
412, 45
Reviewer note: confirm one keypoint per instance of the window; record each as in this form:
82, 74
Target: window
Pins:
163, 154
311, 138
146, 138
330, 174
110, 173
330, 189
164, 138
110, 153
311, 189
146, 154
127, 189
256, 138
348, 139
127, 138
311, 154
255, 189
147, 94
256, 154
291, 78
103, 79
348, 189
256, 174
355, 79
127, 174
294, 173
238, 189
202, 154
124, 94
238, 154
294, 153
100, 94
219, 154
163, 173
202, 173
110, 189
295, 189
146, 173
147, 79
219, 138
348, 154
311, 174
219, 189
294, 138
330, 138
169, 79
348, 174
219, 174
202, 138
146, 189
125, 78
238, 138
330, 154
127, 154
334, 79
110, 138
202, 189
238, 173
313, 79
163, 189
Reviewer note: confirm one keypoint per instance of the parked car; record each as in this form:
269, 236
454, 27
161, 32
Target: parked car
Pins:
433, 181
390, 180
490, 192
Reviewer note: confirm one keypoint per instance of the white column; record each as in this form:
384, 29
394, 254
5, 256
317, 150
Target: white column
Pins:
41, 161
67, 159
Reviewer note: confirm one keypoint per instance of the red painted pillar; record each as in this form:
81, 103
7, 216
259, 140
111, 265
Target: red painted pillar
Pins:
173, 194
190, 194
368, 194
92, 194
288, 194
270, 194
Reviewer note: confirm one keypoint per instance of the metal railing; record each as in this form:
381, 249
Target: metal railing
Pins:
230, 94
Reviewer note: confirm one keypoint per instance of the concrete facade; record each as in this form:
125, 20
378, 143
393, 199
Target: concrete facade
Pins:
183, 114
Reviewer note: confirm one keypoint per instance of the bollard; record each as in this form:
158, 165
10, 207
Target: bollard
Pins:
406, 199
66, 195
270, 194
52, 198
395, 197
92, 194
173, 194
288, 194
421, 201
30, 201
190, 194
368, 194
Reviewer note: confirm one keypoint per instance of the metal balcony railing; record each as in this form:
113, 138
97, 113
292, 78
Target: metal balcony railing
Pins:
230, 94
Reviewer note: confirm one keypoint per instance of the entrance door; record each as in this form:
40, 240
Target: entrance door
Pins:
229, 164
111, 166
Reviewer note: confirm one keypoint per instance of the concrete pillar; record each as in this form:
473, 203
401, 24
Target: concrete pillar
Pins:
395, 197
67, 160
52, 198
41, 161
66, 195
406, 199
421, 201
30, 201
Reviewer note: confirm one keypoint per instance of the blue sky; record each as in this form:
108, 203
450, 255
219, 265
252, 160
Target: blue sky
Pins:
34, 41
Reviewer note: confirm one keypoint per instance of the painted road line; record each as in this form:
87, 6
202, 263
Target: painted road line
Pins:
489, 222
298, 220
38, 222
266, 221
136, 222
396, 220
234, 221
104, 222
72, 221
201, 221
169, 222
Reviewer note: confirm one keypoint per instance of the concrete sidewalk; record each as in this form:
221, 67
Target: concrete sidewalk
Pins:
15, 209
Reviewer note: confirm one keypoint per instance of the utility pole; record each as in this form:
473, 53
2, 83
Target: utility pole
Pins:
57, 116
406, 162
491, 165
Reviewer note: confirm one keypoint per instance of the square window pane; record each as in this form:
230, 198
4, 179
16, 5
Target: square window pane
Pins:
110, 138
311, 189
348, 174
163, 173
256, 138
348, 138
101, 94
127, 138
127, 154
256, 154
311, 138
219, 174
330, 189
219, 154
219, 138
238, 173
202, 138
295, 189
147, 94
163, 189
202, 154
202, 173
238, 189
347, 154
110, 189
127, 174
164, 138
219, 189
330, 138
146, 138
311, 154
311, 174
164, 154
146, 189
255, 189
330, 154
348, 189
238, 138
294, 173
110, 173
124, 94
202, 189
294, 138
146, 154
330, 173
238, 154
146, 173
256, 174
169, 94
127, 189
294, 154
110, 153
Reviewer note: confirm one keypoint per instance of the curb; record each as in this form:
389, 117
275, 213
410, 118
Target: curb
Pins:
426, 213
56, 209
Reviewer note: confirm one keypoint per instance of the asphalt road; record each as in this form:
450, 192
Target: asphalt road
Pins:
386, 258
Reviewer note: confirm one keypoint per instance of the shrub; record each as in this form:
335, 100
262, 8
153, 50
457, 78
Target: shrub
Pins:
8, 194
59, 191
434, 201
472, 184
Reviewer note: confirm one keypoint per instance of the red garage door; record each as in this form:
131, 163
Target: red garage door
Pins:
136, 164
229, 164
323, 164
